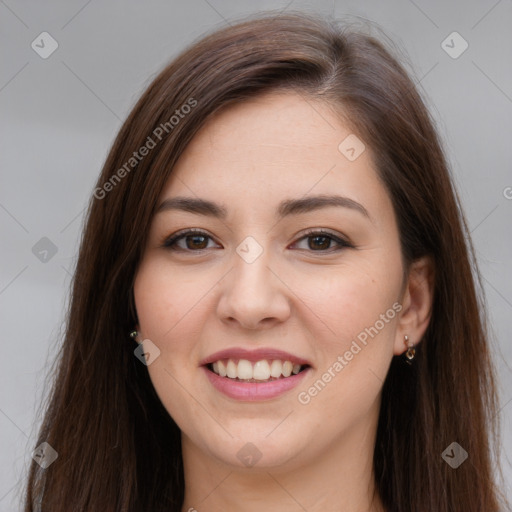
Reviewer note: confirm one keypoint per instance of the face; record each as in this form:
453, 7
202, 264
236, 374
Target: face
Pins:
273, 273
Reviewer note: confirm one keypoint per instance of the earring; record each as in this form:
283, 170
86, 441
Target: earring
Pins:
411, 351
133, 336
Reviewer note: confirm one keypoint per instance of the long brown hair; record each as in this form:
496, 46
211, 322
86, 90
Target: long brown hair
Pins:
118, 448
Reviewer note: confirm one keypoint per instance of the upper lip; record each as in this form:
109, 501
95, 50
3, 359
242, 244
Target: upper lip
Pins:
253, 355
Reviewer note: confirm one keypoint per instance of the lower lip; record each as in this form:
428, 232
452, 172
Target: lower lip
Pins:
253, 391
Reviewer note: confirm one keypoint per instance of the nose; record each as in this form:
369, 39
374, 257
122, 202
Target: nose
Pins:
253, 296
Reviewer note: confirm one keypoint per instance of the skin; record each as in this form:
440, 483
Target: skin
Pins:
300, 295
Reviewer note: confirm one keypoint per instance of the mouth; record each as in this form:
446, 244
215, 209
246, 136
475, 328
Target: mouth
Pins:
254, 375
264, 370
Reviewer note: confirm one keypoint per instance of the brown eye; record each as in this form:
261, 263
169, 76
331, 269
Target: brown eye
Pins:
322, 241
196, 242
190, 240
319, 242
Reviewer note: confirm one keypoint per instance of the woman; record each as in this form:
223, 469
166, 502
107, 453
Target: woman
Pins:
274, 305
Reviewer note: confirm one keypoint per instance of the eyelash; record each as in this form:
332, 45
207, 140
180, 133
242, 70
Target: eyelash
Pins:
170, 242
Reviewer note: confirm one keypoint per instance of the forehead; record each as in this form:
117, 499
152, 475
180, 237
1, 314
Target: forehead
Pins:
273, 128
275, 145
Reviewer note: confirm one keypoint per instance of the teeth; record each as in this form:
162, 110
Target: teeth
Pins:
287, 368
261, 370
244, 369
276, 368
231, 370
258, 371
221, 369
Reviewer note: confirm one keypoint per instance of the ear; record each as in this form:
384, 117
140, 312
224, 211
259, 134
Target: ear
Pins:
416, 304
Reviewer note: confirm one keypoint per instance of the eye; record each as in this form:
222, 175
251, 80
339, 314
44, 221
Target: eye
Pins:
190, 240
195, 240
321, 240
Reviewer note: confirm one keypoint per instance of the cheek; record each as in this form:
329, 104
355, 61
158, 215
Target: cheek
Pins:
168, 307
165, 297
354, 323
348, 299
354, 319
354, 352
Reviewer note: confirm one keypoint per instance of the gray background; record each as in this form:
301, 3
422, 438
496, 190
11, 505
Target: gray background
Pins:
60, 115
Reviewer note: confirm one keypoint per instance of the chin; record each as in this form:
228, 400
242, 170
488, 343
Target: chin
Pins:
261, 451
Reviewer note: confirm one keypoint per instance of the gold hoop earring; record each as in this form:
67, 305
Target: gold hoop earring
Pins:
411, 351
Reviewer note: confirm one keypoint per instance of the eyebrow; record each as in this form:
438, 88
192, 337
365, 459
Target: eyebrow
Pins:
286, 208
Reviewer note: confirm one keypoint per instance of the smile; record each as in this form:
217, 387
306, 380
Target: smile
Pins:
252, 375
263, 370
